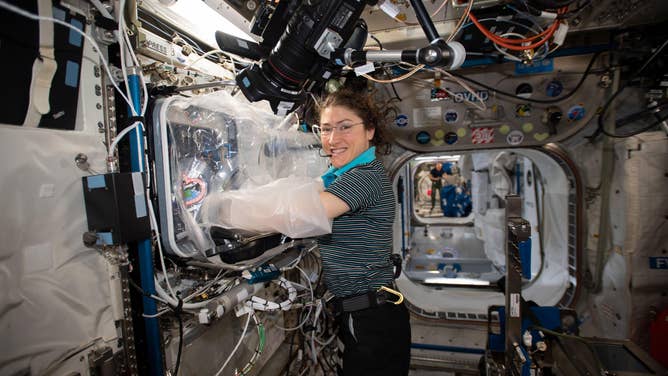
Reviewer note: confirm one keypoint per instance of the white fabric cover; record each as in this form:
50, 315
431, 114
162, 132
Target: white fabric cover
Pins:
646, 228
56, 298
55, 294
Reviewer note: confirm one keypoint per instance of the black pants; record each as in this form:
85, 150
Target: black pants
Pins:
377, 341
435, 188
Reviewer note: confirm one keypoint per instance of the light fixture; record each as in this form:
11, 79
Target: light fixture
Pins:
204, 21
455, 281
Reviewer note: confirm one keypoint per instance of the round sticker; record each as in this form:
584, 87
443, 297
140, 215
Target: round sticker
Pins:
523, 110
504, 129
554, 88
461, 132
423, 138
527, 127
450, 116
576, 112
439, 134
515, 137
401, 120
540, 136
524, 90
451, 138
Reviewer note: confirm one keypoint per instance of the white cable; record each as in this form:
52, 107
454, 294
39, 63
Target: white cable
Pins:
463, 84
326, 343
310, 309
119, 37
513, 57
241, 338
120, 135
35, 17
261, 304
163, 294
314, 352
209, 53
159, 299
204, 288
297, 261
234, 68
154, 225
202, 56
135, 60
160, 313
506, 54
460, 23
125, 47
100, 8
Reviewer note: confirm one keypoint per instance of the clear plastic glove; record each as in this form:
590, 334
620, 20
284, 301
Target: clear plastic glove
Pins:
290, 206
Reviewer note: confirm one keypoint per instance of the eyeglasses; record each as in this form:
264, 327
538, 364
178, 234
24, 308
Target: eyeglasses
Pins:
342, 128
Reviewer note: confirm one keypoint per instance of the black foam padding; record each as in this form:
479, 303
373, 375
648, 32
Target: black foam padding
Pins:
19, 47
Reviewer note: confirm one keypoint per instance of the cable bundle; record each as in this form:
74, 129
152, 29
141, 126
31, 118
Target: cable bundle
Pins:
520, 43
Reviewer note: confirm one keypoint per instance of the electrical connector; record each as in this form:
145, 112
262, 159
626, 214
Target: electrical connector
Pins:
560, 34
527, 339
261, 274
242, 309
389, 8
204, 316
548, 15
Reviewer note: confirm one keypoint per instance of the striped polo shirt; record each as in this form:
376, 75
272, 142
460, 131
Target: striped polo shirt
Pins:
356, 255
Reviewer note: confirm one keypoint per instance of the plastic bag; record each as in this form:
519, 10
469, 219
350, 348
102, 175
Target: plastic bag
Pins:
290, 206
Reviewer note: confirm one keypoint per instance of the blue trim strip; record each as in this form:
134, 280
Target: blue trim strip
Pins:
75, 38
465, 350
96, 181
558, 53
72, 74
152, 330
104, 238
59, 14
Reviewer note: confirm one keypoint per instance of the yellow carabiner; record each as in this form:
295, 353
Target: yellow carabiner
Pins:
395, 292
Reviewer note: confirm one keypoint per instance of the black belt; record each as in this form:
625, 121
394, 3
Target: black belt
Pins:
367, 300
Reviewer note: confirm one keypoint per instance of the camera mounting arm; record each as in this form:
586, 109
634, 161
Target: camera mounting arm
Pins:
441, 54
437, 54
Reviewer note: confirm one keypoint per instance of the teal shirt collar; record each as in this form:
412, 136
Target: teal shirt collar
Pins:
366, 157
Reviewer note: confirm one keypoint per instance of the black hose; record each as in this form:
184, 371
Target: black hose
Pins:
608, 103
544, 101
551, 4
636, 132
178, 354
425, 21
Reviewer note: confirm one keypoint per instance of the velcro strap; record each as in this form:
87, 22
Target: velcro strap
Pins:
359, 302
133, 119
105, 23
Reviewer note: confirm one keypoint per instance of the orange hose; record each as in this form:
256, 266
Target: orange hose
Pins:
511, 43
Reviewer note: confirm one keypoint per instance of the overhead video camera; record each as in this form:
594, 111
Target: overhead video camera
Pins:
307, 42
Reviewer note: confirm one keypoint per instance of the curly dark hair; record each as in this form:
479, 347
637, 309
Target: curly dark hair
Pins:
363, 105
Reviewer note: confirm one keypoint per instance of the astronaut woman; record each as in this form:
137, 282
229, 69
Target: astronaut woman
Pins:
358, 197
